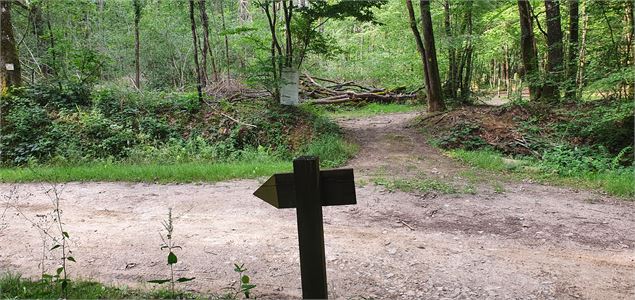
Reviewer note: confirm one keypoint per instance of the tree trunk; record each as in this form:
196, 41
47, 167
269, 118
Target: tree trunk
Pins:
554, 52
222, 15
418, 41
582, 63
452, 65
572, 59
137, 18
275, 46
465, 84
196, 64
528, 50
206, 47
37, 21
435, 98
9, 60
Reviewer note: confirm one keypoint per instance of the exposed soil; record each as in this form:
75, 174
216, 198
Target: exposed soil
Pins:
531, 241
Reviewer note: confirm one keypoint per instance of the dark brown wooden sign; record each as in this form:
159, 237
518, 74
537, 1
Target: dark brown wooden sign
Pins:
307, 189
337, 187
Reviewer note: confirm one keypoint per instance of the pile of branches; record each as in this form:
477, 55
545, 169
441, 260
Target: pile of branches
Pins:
333, 92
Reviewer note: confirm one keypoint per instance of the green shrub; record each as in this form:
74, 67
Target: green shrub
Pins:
332, 150
25, 135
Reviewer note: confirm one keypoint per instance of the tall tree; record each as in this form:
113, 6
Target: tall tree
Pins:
555, 54
206, 45
528, 50
196, 63
467, 65
582, 56
37, 23
419, 41
451, 83
572, 58
221, 4
137, 52
435, 98
9, 60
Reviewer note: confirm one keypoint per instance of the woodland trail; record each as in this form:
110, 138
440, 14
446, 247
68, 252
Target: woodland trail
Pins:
529, 241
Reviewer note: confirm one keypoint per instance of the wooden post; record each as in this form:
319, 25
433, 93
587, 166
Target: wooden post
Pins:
306, 172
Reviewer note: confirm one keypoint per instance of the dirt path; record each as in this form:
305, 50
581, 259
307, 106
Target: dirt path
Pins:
530, 241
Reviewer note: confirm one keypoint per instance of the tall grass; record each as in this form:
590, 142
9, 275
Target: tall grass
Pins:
617, 182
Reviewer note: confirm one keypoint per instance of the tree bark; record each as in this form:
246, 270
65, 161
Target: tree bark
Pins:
137, 18
435, 98
452, 65
465, 84
555, 55
221, 4
572, 59
418, 41
37, 21
528, 50
582, 58
9, 60
196, 63
206, 46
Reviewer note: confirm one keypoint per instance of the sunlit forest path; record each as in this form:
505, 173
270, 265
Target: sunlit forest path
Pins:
472, 236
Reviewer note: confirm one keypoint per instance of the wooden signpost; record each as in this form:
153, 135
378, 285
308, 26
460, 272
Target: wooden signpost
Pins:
307, 189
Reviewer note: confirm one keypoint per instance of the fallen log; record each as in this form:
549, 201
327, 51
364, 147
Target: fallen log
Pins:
353, 97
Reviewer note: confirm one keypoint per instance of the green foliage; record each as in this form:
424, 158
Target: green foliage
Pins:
560, 166
421, 185
365, 110
484, 159
331, 149
168, 243
568, 161
463, 136
244, 282
26, 133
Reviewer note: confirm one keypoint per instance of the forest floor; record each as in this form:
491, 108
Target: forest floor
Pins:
490, 237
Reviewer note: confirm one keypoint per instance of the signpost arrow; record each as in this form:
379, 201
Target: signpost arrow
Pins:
307, 189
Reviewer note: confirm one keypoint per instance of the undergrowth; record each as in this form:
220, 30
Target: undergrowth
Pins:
152, 136
554, 169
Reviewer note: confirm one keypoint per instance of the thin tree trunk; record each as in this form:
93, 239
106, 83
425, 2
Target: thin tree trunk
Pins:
275, 46
196, 64
452, 66
528, 50
206, 47
9, 60
137, 18
506, 72
288, 11
572, 60
435, 98
554, 51
582, 62
38, 32
222, 15
465, 84
418, 41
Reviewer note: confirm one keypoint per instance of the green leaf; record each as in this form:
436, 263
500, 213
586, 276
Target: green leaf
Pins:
55, 247
185, 279
172, 258
64, 284
247, 287
245, 279
64, 233
159, 281
71, 258
59, 270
